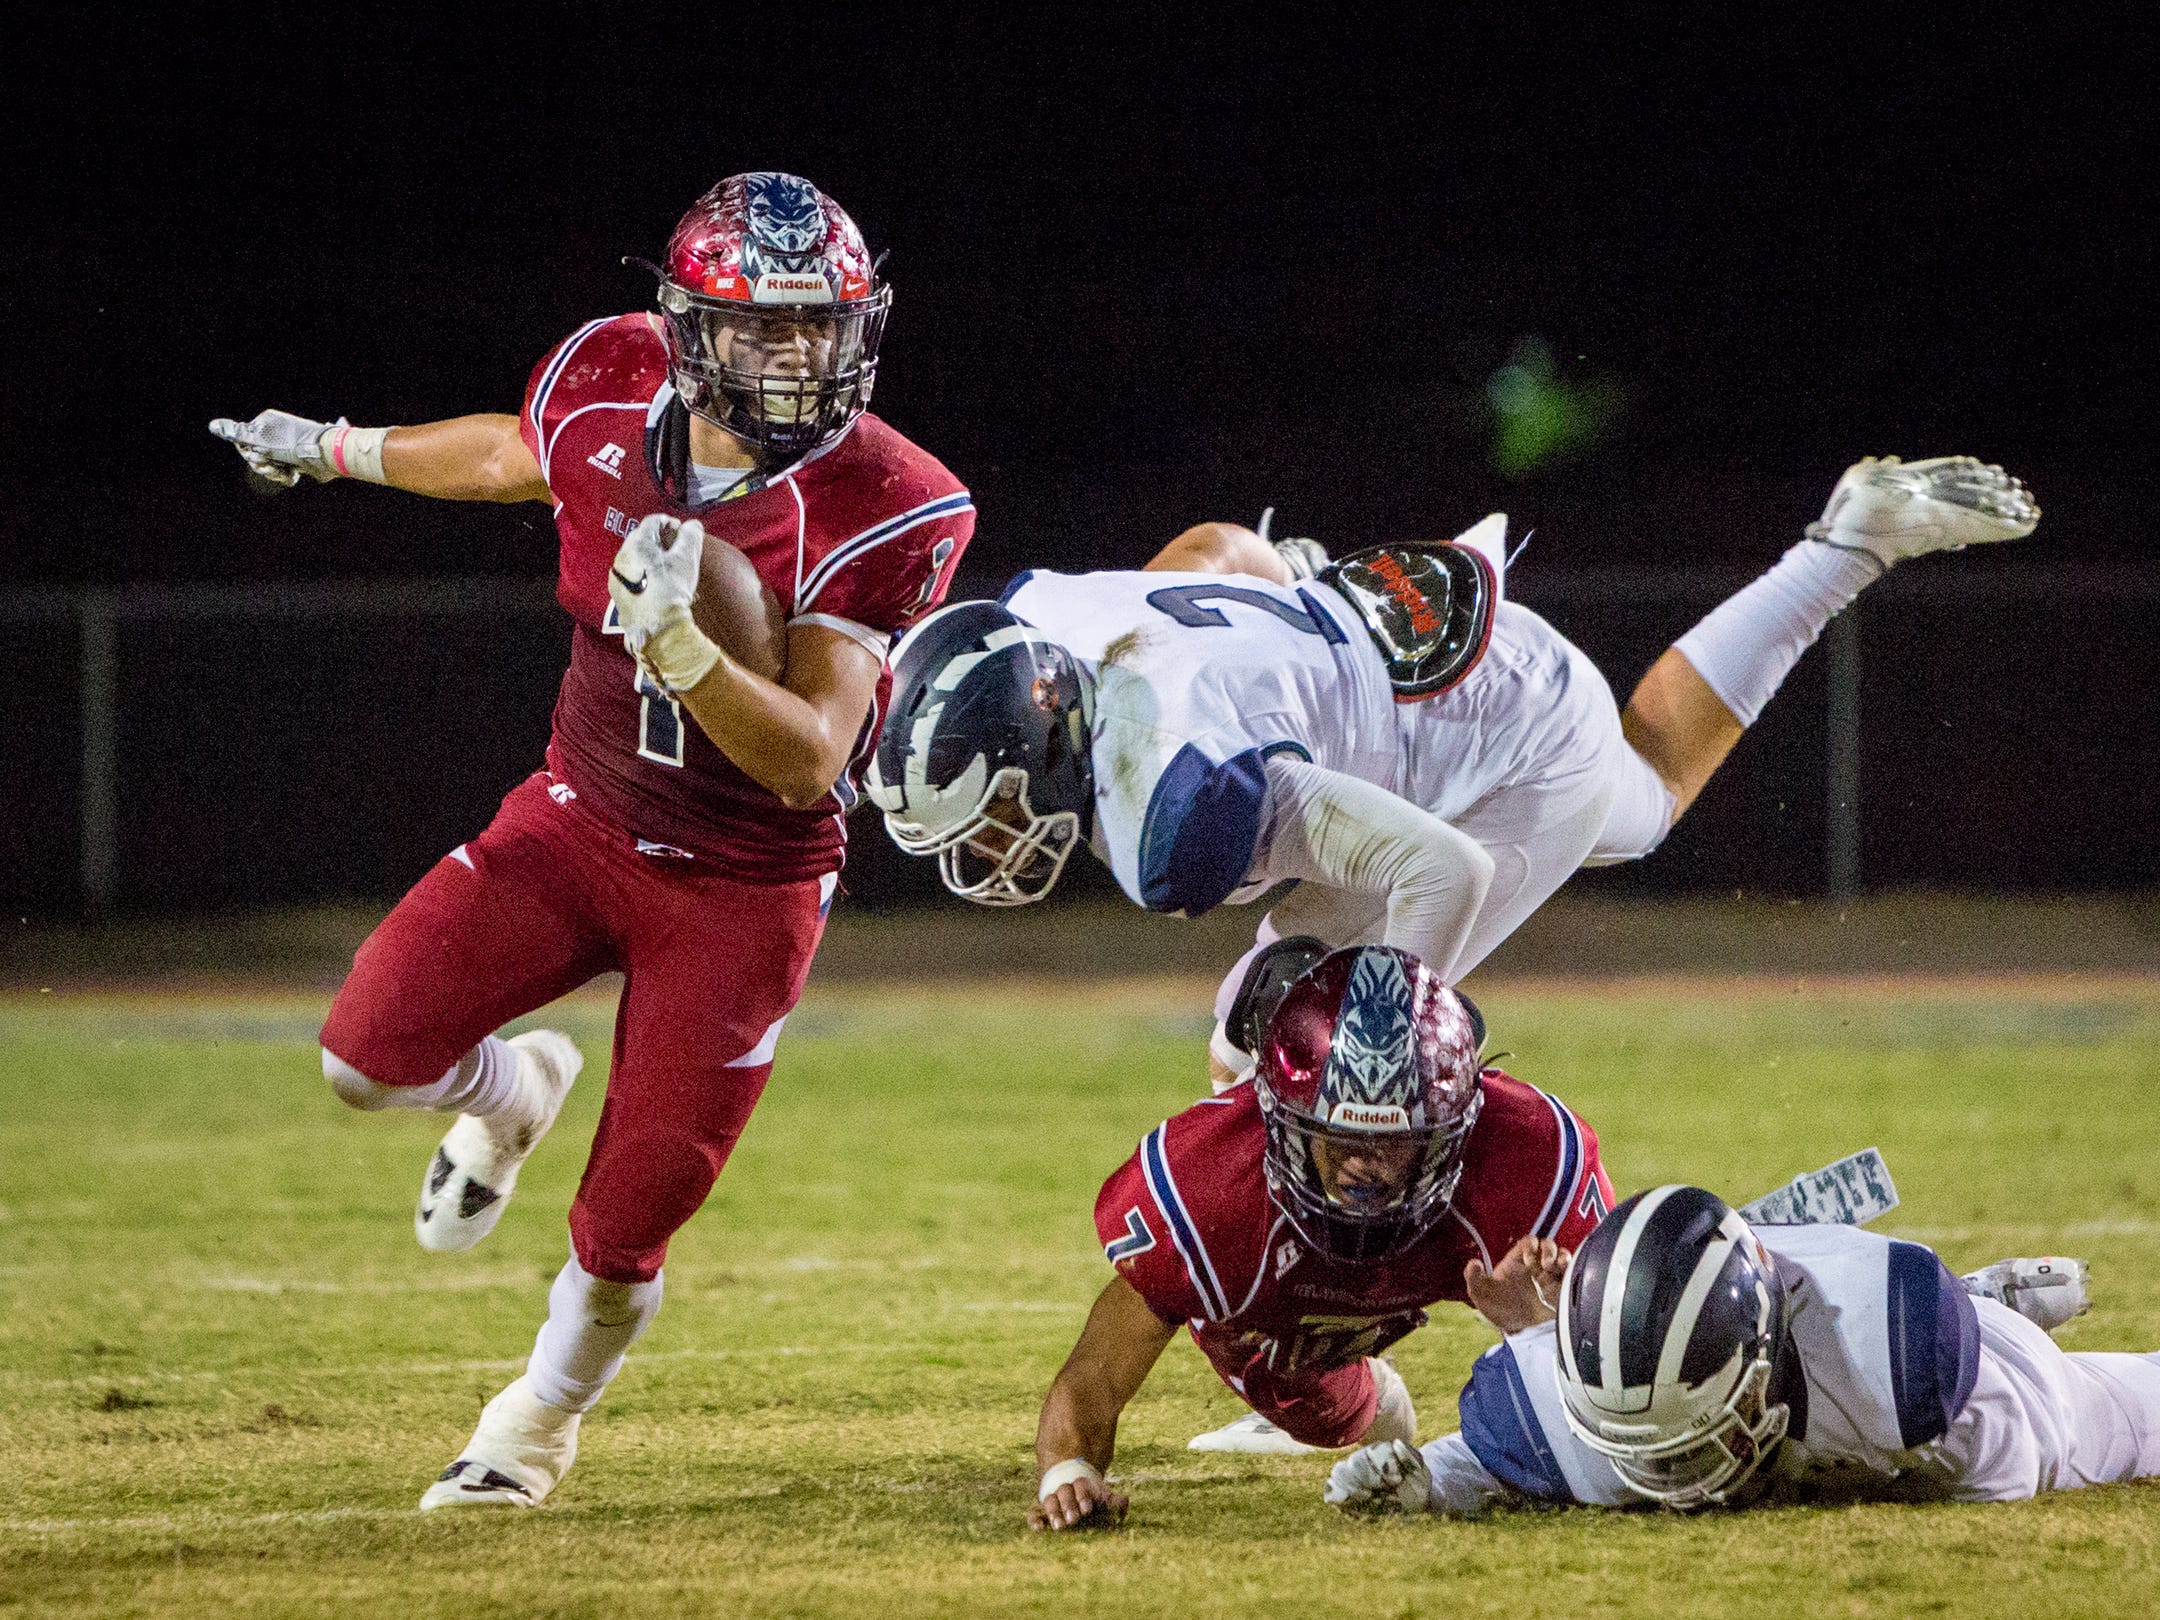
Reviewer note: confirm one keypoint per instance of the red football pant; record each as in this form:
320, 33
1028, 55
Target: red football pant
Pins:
542, 901
1329, 1409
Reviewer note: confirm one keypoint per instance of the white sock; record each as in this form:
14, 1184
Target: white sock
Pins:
484, 1081
1750, 642
590, 1327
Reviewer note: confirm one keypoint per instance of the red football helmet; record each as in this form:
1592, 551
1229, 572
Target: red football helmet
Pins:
773, 311
1368, 1081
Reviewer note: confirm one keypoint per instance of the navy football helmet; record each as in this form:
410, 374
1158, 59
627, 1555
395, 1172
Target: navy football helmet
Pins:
983, 760
1673, 1348
1368, 1081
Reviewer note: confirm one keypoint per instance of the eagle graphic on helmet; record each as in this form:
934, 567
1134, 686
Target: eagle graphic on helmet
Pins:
1375, 1040
785, 225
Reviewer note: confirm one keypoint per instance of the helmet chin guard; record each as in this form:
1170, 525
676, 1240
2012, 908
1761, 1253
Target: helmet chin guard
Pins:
1012, 864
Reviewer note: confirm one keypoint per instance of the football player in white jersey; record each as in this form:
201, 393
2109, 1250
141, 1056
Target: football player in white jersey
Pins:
1430, 760
1697, 1361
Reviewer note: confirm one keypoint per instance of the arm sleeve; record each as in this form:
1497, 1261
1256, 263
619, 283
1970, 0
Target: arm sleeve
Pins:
1344, 833
1461, 1485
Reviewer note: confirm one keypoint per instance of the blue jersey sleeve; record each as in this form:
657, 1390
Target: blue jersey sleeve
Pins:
1203, 822
1934, 1335
1502, 1429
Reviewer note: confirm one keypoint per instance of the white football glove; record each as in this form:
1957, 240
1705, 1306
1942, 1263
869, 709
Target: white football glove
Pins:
280, 446
1302, 556
1388, 1478
652, 583
1894, 509
2047, 1292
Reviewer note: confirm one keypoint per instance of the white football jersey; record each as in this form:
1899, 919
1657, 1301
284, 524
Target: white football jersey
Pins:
1200, 678
1889, 1345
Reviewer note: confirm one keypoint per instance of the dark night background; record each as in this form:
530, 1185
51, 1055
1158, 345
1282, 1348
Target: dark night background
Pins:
1142, 278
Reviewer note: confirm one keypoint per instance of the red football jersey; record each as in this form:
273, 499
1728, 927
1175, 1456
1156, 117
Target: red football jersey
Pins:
1188, 1221
862, 536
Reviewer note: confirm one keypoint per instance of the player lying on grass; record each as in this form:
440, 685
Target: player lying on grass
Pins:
1301, 1224
1427, 759
1699, 1362
695, 857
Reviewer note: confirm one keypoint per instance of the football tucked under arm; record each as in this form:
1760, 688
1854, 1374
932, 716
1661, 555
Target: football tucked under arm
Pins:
684, 598
1344, 833
739, 611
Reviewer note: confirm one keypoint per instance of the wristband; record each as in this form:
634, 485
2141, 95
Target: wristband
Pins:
678, 653
1062, 1474
354, 452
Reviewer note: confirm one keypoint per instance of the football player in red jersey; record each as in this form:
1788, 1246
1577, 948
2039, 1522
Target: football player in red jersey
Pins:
697, 858
1301, 1223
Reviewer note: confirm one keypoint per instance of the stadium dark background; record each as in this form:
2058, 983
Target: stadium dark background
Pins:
1142, 278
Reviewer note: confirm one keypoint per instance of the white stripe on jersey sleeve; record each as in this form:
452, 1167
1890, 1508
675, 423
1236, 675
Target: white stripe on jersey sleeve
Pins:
1155, 1169
538, 409
874, 642
870, 539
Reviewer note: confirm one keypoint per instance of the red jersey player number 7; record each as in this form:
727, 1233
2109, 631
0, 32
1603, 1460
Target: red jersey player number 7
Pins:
687, 829
1302, 1221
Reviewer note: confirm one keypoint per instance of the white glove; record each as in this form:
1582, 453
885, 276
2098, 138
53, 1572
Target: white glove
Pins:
1303, 557
1388, 1478
280, 446
1895, 509
652, 583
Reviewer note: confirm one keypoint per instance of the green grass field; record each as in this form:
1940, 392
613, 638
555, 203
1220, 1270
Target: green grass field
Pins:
226, 1371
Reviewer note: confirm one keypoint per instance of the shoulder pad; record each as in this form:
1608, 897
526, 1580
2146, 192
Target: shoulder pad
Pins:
1428, 608
1934, 1336
1202, 824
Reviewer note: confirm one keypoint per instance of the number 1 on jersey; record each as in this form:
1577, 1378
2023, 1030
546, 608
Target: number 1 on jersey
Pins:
660, 727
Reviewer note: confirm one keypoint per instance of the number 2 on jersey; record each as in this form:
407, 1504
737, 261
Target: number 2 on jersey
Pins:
1186, 604
660, 727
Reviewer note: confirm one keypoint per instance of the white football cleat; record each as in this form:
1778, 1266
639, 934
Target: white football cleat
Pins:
2047, 1292
1252, 1434
1894, 509
469, 1180
519, 1453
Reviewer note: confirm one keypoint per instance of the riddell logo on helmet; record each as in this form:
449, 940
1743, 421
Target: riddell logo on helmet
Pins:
776, 287
1370, 1116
